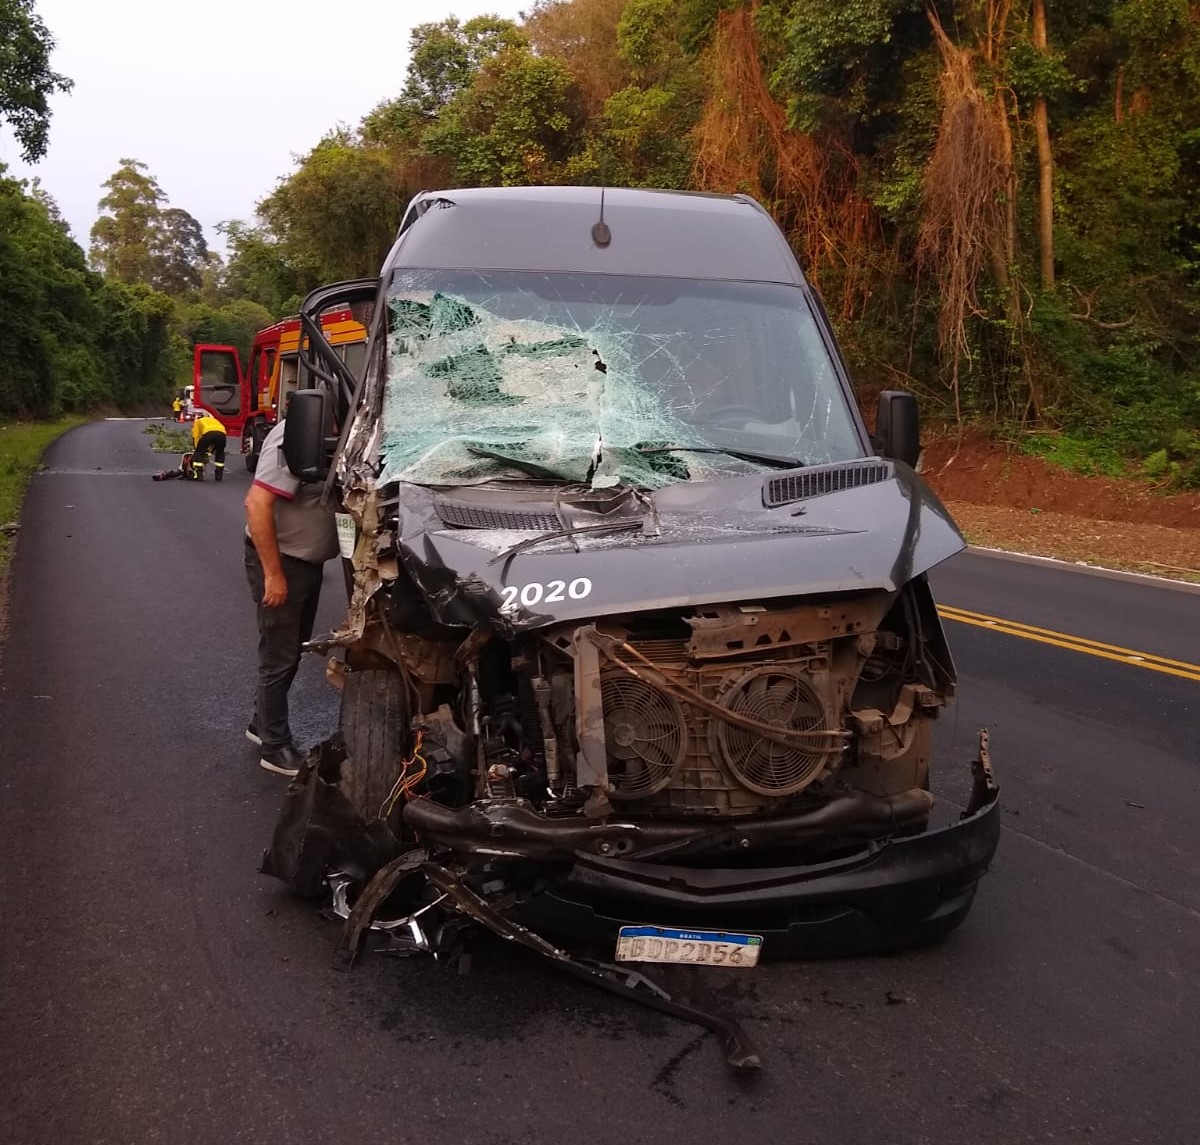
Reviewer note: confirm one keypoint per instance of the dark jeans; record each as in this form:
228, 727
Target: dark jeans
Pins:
281, 631
212, 442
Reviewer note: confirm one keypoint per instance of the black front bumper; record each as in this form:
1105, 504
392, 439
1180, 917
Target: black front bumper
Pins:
894, 893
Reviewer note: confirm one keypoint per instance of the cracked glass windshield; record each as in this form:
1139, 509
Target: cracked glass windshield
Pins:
597, 379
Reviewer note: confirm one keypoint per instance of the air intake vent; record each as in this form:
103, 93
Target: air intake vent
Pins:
829, 479
465, 516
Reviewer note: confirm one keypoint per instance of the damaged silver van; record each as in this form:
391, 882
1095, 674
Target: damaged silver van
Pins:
640, 645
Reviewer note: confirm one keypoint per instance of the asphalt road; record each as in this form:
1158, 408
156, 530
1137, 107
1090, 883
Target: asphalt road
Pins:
156, 988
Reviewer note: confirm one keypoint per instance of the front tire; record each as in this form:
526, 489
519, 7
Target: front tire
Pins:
375, 732
252, 439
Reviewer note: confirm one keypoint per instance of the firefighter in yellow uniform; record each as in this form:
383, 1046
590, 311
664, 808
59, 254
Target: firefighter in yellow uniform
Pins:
208, 436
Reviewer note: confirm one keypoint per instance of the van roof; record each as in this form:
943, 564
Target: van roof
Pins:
675, 234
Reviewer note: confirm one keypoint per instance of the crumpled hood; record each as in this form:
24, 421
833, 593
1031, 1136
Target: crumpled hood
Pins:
713, 542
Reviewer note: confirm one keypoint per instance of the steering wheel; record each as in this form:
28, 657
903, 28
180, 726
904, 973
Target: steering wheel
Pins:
730, 413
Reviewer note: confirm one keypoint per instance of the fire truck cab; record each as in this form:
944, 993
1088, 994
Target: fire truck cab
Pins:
248, 400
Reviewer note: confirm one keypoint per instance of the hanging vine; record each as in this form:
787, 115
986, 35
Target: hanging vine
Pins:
969, 191
743, 143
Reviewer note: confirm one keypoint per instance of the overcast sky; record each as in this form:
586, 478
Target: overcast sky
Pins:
215, 97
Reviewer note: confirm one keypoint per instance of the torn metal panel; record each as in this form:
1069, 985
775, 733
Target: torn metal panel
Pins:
363, 506
319, 828
361, 917
591, 766
985, 790
725, 630
739, 1050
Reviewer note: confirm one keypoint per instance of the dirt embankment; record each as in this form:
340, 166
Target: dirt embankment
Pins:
1007, 500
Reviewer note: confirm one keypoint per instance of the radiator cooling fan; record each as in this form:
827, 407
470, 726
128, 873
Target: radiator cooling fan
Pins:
645, 733
784, 699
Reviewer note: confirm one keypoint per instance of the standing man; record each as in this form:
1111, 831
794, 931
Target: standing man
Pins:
208, 436
289, 537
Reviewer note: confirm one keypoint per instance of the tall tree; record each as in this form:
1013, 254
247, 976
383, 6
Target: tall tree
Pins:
257, 267
126, 237
444, 58
516, 122
26, 78
583, 34
138, 238
1041, 126
68, 338
181, 253
641, 135
446, 55
337, 214
45, 305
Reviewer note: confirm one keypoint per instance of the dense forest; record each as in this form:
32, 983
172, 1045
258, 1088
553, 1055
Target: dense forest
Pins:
999, 200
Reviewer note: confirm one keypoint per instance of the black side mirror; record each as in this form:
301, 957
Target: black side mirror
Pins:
898, 426
305, 430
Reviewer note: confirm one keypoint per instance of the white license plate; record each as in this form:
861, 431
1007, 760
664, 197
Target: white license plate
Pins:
695, 947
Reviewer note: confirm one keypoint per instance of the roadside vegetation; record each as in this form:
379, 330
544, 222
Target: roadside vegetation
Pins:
21, 449
998, 199
168, 439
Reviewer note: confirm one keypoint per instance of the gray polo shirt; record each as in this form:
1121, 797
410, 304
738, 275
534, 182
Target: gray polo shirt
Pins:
304, 527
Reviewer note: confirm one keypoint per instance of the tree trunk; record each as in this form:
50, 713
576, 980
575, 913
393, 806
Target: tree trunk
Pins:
1041, 127
1004, 245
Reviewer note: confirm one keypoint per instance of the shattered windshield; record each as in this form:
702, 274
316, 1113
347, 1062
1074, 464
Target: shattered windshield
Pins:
603, 380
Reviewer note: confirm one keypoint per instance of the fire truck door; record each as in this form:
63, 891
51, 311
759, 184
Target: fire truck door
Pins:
217, 377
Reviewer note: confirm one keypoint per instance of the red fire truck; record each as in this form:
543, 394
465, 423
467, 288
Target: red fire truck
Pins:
248, 400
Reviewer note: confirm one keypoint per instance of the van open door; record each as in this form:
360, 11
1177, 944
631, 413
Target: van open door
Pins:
219, 385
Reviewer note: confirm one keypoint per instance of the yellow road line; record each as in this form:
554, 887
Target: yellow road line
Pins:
1113, 652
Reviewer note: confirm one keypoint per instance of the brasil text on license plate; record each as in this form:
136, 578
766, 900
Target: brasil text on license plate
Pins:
701, 947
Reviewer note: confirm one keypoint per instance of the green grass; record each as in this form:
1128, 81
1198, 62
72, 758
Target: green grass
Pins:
1092, 457
21, 447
